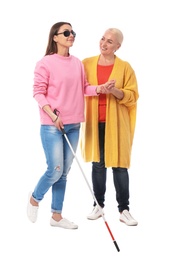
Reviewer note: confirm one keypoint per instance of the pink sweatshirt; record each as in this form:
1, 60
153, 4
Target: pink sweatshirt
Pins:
60, 83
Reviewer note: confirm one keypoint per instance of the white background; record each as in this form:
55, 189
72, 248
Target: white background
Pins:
24, 29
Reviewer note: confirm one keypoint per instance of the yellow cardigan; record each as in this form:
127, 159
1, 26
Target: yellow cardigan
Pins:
120, 116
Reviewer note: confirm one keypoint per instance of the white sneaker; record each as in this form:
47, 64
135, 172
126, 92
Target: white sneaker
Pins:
32, 211
126, 218
63, 223
95, 214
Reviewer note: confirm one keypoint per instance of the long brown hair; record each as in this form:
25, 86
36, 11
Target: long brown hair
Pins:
52, 46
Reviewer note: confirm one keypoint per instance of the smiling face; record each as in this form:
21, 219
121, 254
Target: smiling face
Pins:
109, 43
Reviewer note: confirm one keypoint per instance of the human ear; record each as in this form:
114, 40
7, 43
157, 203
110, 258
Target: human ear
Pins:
55, 38
118, 46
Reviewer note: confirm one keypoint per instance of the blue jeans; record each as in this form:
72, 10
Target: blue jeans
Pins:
59, 158
120, 178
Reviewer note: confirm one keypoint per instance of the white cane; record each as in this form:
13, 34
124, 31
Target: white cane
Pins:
102, 214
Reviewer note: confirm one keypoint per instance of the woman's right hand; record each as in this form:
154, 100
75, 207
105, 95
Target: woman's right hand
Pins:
58, 123
104, 88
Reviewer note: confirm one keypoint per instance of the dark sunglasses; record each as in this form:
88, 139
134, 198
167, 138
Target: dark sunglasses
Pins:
67, 33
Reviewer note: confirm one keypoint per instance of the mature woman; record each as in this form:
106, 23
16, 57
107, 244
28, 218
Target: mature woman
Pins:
108, 131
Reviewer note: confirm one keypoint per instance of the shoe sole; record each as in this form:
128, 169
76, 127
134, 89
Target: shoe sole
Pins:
63, 227
94, 218
128, 224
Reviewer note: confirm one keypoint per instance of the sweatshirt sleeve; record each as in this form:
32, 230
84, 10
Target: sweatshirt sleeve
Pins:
41, 79
89, 90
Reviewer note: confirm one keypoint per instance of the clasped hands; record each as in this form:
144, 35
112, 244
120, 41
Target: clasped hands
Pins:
106, 88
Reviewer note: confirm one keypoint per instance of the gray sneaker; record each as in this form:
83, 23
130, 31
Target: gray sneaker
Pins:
126, 218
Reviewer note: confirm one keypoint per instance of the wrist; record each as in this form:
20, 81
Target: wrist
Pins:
56, 112
55, 119
98, 90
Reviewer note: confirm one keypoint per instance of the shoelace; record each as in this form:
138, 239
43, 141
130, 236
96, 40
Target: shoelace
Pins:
128, 216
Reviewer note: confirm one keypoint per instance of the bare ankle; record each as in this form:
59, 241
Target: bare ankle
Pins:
33, 202
57, 216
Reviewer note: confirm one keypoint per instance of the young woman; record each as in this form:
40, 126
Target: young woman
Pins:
59, 89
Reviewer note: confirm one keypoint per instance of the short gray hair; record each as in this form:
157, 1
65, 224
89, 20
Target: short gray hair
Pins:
117, 33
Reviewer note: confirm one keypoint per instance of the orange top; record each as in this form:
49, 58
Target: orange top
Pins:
103, 73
